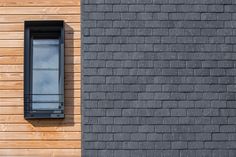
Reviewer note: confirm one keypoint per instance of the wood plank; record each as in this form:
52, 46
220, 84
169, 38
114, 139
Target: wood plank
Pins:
69, 110
11, 51
20, 18
40, 144
13, 60
39, 3
70, 68
73, 26
6, 85
73, 102
19, 26
30, 128
12, 43
72, 85
11, 27
14, 119
40, 136
39, 10
11, 35
72, 76
62, 152
73, 43
72, 35
70, 60
12, 100
20, 35
73, 51
72, 93
11, 68
11, 76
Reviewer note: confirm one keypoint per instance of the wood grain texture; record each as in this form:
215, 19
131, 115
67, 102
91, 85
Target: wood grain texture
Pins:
8, 136
34, 3
75, 144
31, 128
40, 152
20, 18
39, 10
11, 76
19, 119
48, 137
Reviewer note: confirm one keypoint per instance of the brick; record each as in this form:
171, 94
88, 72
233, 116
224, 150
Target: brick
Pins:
158, 78
136, 8
179, 145
195, 145
118, 153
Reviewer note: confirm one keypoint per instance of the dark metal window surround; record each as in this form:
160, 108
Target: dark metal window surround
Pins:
44, 69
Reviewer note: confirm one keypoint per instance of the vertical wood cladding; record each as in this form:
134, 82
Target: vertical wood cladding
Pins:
19, 137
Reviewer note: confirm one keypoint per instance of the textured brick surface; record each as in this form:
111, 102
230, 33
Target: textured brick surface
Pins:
159, 78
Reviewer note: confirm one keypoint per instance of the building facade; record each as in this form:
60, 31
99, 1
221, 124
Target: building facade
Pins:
142, 78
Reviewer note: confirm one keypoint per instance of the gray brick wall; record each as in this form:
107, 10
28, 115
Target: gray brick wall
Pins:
159, 78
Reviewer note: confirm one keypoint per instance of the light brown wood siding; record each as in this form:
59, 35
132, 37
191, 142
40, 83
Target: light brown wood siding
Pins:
38, 138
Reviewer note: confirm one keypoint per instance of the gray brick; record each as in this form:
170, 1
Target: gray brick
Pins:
144, 16
136, 8
179, 145
105, 153
195, 145
118, 153
178, 112
120, 8
184, 16
138, 137
168, 8
152, 8
158, 78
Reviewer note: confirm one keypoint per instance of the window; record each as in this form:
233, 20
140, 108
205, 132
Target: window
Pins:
44, 69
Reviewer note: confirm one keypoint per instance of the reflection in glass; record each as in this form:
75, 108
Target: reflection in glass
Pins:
45, 98
45, 106
45, 53
45, 74
45, 82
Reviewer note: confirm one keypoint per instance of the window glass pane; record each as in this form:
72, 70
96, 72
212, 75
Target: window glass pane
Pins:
45, 98
45, 53
45, 106
45, 82
45, 74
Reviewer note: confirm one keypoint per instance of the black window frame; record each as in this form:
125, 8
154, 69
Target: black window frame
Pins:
42, 30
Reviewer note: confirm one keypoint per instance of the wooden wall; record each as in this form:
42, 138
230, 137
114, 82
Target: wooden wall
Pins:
19, 137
